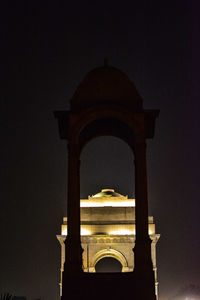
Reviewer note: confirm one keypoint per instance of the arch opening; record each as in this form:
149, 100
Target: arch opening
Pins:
108, 264
107, 162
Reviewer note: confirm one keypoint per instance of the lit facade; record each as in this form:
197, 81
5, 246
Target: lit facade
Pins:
108, 230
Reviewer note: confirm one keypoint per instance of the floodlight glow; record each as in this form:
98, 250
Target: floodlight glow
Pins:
85, 203
122, 232
83, 231
125, 232
64, 231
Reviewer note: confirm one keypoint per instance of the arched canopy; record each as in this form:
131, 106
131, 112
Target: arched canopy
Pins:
107, 102
71, 125
106, 93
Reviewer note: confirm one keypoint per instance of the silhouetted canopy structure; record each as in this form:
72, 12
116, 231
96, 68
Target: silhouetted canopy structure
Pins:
107, 103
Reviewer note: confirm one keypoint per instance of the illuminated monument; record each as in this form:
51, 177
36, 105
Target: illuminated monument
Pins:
108, 230
107, 103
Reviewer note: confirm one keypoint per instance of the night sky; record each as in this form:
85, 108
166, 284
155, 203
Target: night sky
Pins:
46, 50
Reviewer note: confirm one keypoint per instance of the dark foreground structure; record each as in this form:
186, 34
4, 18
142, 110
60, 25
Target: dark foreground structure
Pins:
107, 103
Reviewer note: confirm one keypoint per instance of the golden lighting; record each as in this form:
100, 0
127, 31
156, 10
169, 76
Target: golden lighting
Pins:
127, 203
83, 231
122, 232
64, 231
125, 232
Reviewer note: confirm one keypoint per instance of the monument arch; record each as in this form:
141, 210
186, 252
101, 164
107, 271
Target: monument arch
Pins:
108, 229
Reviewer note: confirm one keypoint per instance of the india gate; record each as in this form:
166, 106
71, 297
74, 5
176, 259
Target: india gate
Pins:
107, 224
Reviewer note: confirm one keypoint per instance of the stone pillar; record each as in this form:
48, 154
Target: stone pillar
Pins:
73, 249
142, 248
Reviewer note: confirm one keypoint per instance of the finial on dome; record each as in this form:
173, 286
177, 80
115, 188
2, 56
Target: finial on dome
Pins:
106, 62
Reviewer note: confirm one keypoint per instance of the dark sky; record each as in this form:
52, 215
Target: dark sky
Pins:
46, 50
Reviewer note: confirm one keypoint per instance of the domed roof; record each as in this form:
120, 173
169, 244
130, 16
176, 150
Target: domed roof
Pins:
107, 193
106, 85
